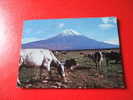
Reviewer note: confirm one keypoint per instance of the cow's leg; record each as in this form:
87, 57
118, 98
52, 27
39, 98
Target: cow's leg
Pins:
46, 64
100, 66
19, 70
18, 79
48, 68
97, 66
107, 62
59, 69
41, 71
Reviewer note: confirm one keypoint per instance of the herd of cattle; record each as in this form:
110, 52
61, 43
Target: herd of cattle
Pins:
45, 58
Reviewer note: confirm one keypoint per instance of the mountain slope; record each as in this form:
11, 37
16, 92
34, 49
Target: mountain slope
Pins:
69, 40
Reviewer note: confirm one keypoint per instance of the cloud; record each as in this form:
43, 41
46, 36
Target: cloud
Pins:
107, 23
114, 20
106, 26
107, 20
61, 25
31, 39
112, 41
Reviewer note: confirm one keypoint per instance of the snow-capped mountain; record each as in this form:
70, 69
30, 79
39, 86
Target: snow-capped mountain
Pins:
68, 32
69, 40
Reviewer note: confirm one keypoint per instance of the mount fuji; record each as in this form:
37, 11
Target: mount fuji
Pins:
69, 40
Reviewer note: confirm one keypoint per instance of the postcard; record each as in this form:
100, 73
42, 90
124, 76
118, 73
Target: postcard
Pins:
71, 53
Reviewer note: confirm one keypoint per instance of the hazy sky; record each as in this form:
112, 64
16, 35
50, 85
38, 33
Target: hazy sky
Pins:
102, 29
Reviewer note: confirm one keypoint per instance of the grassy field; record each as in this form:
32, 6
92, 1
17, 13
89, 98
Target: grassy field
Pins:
84, 76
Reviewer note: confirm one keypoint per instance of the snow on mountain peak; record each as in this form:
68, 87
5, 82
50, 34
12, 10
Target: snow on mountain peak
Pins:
69, 32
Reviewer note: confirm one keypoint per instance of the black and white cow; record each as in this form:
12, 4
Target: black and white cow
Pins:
109, 56
97, 57
40, 58
71, 64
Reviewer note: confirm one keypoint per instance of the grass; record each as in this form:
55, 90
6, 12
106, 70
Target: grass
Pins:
85, 76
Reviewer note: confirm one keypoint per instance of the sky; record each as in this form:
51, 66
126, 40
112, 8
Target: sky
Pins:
102, 29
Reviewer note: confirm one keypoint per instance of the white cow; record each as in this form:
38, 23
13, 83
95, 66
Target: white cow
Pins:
40, 58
